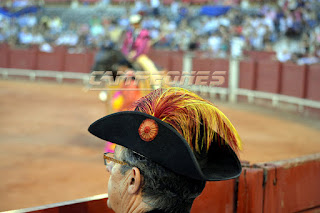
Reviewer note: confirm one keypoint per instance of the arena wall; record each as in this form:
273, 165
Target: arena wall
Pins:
282, 186
258, 72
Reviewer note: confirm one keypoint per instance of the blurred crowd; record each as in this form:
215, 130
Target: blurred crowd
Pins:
19, 4
180, 26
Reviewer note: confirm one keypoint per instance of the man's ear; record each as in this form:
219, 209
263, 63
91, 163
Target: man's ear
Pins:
135, 181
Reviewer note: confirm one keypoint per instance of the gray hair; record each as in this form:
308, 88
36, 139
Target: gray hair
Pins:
161, 188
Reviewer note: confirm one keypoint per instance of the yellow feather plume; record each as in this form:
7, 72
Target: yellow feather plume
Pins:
196, 119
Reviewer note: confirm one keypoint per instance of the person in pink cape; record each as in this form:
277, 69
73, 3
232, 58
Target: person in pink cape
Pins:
136, 45
136, 41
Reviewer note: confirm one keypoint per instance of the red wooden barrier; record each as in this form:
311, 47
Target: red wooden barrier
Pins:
247, 74
23, 58
203, 64
250, 191
176, 61
260, 55
79, 62
268, 76
271, 189
216, 197
213, 65
293, 80
91, 56
50, 61
91, 206
222, 65
167, 2
283, 186
313, 82
4, 55
161, 58
292, 186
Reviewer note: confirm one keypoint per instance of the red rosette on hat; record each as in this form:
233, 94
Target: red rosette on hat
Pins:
148, 130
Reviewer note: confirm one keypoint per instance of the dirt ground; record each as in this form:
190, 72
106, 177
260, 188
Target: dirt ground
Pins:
48, 156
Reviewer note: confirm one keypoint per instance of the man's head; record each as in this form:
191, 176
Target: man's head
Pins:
124, 188
135, 20
142, 183
168, 145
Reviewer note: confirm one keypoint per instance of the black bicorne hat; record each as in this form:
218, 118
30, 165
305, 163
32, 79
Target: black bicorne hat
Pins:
161, 143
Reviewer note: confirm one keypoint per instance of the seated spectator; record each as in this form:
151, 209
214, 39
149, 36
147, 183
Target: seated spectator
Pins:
224, 21
284, 55
154, 33
37, 36
45, 47
147, 22
74, 4
310, 18
174, 9
203, 42
97, 30
309, 59
225, 45
245, 4
155, 6
83, 30
104, 2
20, 3
140, 7
183, 11
124, 22
167, 26
67, 38
28, 20
3, 35
236, 45
55, 25
211, 25
25, 36
256, 41
214, 42
115, 33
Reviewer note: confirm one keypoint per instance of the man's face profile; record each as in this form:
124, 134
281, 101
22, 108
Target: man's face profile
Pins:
122, 187
114, 186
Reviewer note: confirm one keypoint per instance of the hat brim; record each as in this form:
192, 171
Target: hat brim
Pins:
168, 148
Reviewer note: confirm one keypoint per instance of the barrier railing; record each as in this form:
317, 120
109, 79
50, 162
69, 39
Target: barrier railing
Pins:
33, 74
281, 186
276, 99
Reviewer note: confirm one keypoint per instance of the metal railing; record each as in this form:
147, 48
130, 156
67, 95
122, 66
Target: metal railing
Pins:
223, 92
33, 74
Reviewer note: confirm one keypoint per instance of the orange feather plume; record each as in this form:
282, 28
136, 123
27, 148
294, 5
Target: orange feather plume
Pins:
195, 118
